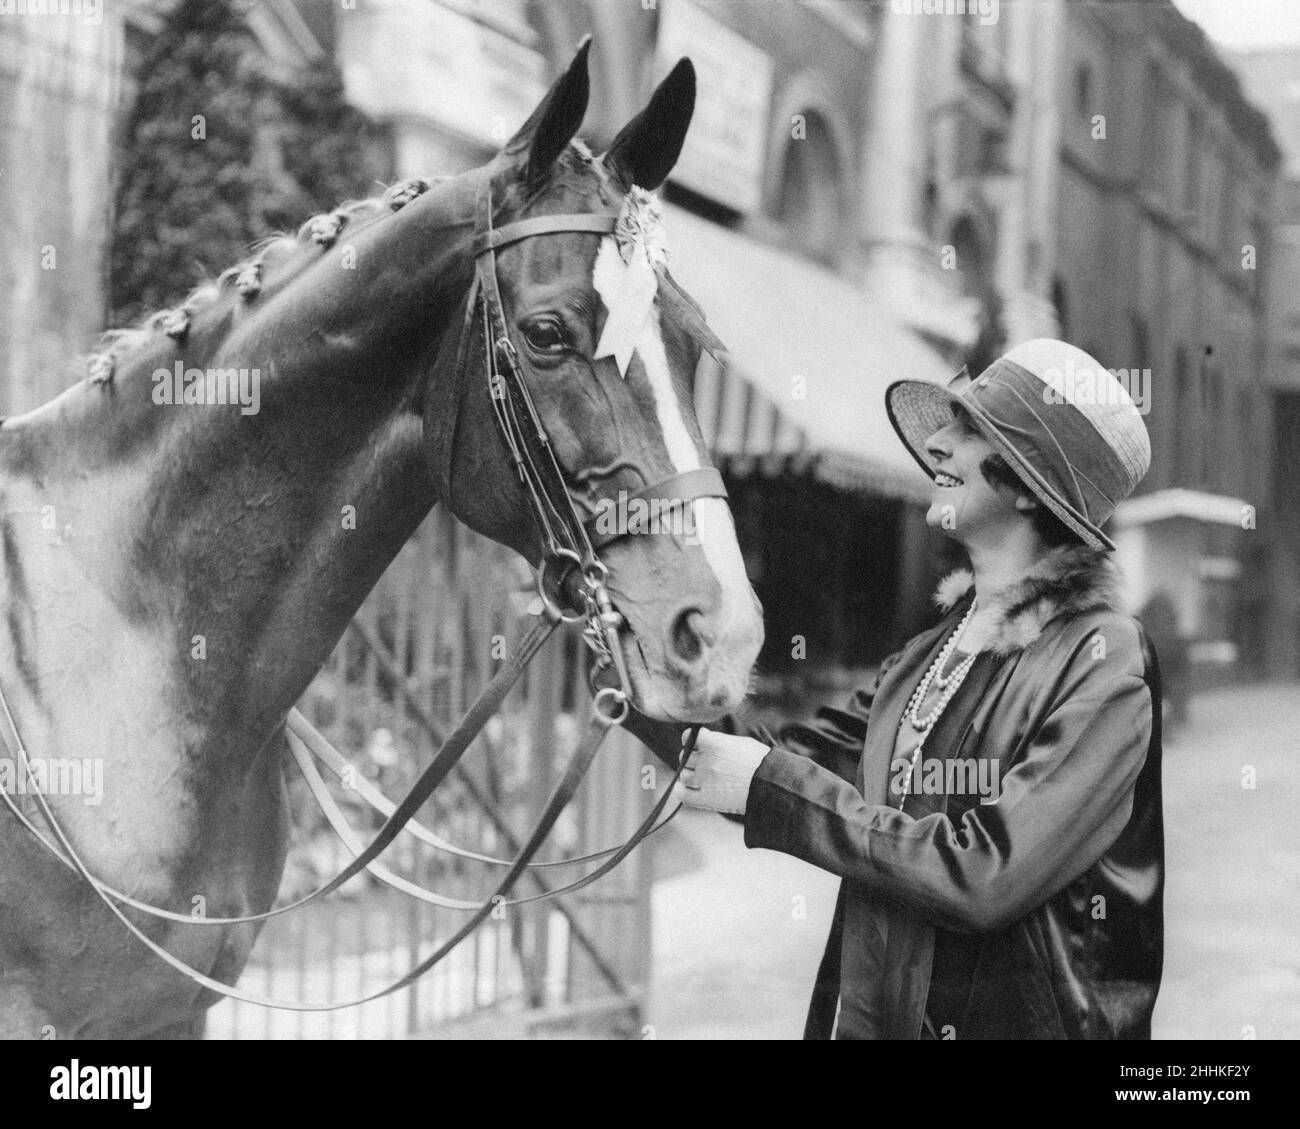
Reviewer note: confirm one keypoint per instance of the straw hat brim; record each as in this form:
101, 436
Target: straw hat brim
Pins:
917, 409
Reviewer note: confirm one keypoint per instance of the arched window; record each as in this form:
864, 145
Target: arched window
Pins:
930, 192
1192, 165
1140, 346
1062, 307
1153, 158
1211, 417
1184, 406
808, 197
973, 264
1083, 91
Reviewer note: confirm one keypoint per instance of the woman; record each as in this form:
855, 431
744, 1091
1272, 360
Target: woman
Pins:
992, 802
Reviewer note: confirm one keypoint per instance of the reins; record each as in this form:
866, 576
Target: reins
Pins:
568, 543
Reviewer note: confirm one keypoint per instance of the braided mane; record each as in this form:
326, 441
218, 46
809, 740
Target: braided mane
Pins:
321, 231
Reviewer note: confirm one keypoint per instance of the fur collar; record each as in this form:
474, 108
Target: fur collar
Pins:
1068, 581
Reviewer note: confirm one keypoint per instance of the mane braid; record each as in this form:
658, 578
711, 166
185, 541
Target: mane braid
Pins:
321, 231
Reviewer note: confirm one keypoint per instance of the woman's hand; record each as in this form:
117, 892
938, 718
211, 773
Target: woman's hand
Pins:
718, 775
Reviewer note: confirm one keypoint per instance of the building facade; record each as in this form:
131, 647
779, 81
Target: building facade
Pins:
956, 180
60, 77
1163, 210
1272, 77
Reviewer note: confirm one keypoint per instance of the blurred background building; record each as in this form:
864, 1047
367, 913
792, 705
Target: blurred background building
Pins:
1272, 79
60, 92
866, 194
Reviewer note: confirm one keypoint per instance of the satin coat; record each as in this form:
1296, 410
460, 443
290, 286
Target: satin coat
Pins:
1036, 916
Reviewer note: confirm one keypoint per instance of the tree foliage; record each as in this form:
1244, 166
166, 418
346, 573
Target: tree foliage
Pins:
217, 154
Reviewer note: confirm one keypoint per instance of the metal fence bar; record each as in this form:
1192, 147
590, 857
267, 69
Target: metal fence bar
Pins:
510, 844
415, 654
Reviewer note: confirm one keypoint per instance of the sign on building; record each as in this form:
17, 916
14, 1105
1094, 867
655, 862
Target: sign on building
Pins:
411, 58
725, 148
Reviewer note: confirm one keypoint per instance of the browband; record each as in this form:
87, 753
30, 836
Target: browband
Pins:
682, 306
703, 482
496, 237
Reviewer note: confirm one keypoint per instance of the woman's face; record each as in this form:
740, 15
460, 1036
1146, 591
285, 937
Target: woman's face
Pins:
964, 504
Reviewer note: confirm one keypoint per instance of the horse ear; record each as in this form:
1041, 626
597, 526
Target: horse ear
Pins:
557, 118
646, 149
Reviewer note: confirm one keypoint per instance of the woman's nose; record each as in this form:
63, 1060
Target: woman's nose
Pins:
938, 446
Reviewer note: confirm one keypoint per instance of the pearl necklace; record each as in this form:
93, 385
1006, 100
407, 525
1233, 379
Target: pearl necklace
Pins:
948, 686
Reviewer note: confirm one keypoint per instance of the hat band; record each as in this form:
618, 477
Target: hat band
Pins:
1057, 440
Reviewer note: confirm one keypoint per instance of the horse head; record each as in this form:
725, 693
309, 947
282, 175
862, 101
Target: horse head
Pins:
621, 428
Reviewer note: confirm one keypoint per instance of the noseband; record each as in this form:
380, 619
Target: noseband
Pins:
569, 542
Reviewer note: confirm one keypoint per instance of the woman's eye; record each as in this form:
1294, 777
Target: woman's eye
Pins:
546, 336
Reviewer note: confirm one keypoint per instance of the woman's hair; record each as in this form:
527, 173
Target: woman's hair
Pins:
1050, 528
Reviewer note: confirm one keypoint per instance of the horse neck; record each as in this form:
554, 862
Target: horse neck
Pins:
263, 533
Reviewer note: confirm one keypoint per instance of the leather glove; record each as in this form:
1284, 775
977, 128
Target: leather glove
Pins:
720, 771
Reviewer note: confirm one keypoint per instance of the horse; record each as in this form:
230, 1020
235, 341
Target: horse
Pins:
176, 571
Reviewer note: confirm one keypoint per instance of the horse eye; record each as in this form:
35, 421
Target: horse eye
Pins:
546, 335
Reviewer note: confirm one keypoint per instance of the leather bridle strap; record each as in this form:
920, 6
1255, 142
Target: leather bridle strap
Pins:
559, 525
559, 799
671, 493
612, 856
306, 738
492, 238
564, 790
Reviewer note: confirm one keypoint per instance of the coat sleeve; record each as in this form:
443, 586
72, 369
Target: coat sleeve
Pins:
1060, 807
833, 738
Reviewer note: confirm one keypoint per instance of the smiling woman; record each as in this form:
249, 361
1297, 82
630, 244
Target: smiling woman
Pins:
1033, 679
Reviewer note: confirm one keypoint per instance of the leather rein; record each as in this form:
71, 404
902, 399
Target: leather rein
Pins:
569, 543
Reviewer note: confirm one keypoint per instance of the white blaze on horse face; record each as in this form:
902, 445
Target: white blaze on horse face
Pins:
713, 524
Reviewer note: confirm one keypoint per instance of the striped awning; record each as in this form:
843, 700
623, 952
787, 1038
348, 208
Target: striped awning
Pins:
810, 360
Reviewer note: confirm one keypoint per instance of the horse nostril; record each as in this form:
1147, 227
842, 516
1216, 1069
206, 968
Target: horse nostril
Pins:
688, 644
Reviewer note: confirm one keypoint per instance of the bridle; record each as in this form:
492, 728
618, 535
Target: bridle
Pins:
569, 542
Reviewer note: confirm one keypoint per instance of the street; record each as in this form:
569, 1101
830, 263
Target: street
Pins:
738, 933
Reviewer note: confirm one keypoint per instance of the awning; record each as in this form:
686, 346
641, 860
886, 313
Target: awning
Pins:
1161, 505
811, 358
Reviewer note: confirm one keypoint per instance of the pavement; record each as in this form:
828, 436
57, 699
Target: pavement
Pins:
738, 933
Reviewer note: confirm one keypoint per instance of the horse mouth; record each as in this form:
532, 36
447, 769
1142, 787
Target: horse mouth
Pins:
664, 696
